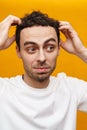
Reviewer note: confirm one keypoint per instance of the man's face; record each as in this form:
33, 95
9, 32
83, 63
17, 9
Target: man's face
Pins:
38, 51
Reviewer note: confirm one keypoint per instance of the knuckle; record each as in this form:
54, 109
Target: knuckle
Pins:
10, 15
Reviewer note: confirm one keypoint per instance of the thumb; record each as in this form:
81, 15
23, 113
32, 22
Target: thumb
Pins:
62, 44
10, 41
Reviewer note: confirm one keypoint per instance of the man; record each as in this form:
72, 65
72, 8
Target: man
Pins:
36, 100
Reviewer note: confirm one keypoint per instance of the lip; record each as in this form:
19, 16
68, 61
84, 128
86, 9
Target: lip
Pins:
42, 69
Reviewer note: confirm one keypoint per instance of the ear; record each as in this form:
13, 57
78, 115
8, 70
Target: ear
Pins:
18, 51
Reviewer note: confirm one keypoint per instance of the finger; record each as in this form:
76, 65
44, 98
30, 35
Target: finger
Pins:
12, 20
16, 21
61, 23
64, 31
64, 25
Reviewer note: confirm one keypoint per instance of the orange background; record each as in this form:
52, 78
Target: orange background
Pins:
74, 11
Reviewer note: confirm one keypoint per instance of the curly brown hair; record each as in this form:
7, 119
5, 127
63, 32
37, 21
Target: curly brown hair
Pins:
36, 18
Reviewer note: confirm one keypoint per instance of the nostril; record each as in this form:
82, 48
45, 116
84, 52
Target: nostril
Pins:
42, 62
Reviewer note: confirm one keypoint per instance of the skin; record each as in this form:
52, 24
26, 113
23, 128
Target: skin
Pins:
38, 51
40, 64
5, 25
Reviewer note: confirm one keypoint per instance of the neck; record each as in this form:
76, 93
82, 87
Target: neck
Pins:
34, 83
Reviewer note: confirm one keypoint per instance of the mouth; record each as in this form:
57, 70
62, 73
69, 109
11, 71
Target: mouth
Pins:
42, 69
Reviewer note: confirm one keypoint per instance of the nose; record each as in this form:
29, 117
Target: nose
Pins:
41, 56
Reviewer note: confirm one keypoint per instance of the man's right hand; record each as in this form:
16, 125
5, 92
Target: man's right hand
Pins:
5, 40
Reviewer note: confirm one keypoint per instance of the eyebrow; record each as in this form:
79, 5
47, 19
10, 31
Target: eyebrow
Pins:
29, 42
34, 43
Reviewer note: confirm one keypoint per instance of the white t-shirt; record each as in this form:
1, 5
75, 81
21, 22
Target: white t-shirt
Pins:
53, 108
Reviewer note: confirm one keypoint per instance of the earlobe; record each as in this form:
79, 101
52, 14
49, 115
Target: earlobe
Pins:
18, 51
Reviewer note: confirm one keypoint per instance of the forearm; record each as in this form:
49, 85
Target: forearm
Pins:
83, 54
5, 25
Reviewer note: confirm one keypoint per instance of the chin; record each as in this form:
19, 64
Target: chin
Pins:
42, 77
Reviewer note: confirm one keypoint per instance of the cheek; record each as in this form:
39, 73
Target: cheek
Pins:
28, 60
52, 58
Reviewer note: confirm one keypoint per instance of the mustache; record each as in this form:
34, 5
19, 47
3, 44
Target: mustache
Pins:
41, 66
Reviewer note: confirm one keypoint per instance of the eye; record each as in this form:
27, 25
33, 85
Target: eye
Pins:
50, 48
31, 50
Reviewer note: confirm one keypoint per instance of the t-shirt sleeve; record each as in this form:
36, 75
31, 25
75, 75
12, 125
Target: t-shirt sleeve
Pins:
79, 89
3, 83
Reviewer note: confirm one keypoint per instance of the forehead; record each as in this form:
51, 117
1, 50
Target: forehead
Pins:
37, 33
